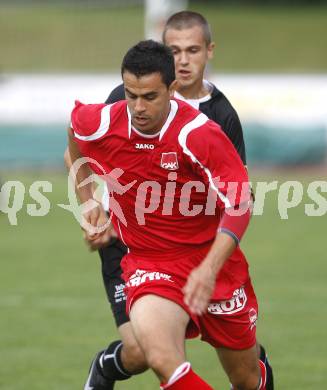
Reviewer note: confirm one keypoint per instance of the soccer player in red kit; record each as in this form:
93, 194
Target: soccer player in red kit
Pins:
180, 201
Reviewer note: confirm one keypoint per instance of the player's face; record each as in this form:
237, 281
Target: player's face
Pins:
148, 100
191, 54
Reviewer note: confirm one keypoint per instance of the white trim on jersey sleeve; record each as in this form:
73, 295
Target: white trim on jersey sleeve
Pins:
200, 120
102, 129
129, 116
171, 116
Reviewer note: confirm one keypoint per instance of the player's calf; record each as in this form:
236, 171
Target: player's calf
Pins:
111, 362
132, 356
252, 381
106, 369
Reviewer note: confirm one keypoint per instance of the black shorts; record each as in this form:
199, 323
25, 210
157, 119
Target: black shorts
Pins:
111, 257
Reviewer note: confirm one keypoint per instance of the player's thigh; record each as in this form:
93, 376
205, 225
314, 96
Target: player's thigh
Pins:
111, 257
239, 364
117, 299
159, 323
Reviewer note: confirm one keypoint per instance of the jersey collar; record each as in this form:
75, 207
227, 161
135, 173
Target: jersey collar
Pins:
195, 103
170, 118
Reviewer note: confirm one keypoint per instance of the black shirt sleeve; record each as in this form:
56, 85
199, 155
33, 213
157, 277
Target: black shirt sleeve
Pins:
233, 129
116, 95
220, 110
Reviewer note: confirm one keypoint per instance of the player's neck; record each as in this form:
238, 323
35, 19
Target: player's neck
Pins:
195, 91
154, 132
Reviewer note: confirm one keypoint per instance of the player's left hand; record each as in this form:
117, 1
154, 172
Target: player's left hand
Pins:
199, 288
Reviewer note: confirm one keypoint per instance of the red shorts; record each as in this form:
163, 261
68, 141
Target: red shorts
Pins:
229, 323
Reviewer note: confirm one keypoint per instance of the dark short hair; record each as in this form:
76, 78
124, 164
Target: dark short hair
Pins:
188, 19
150, 57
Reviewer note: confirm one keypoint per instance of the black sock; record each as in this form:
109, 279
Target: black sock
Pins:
263, 355
270, 378
111, 364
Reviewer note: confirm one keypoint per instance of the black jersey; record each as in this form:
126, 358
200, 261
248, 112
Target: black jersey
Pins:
218, 108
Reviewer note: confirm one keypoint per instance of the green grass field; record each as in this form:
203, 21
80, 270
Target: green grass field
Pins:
249, 39
53, 310
54, 314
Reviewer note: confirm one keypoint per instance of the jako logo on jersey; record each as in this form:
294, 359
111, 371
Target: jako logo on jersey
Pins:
144, 146
141, 276
169, 161
229, 306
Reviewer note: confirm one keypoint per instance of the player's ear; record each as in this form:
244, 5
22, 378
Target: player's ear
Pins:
172, 87
210, 49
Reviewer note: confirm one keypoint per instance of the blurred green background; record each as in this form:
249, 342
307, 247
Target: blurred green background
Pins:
53, 310
93, 36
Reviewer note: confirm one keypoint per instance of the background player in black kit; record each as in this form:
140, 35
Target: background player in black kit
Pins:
188, 35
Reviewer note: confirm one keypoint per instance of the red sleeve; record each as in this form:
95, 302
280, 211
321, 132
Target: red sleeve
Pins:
235, 225
90, 123
215, 157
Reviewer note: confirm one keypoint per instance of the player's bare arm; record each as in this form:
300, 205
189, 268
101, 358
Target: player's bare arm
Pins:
97, 216
201, 281
84, 192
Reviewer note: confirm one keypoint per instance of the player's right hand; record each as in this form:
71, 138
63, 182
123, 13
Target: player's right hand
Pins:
97, 227
95, 243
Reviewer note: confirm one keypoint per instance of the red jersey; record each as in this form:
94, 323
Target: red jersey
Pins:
168, 189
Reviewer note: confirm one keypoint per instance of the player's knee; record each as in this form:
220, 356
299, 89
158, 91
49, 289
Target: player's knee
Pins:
133, 349
158, 359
